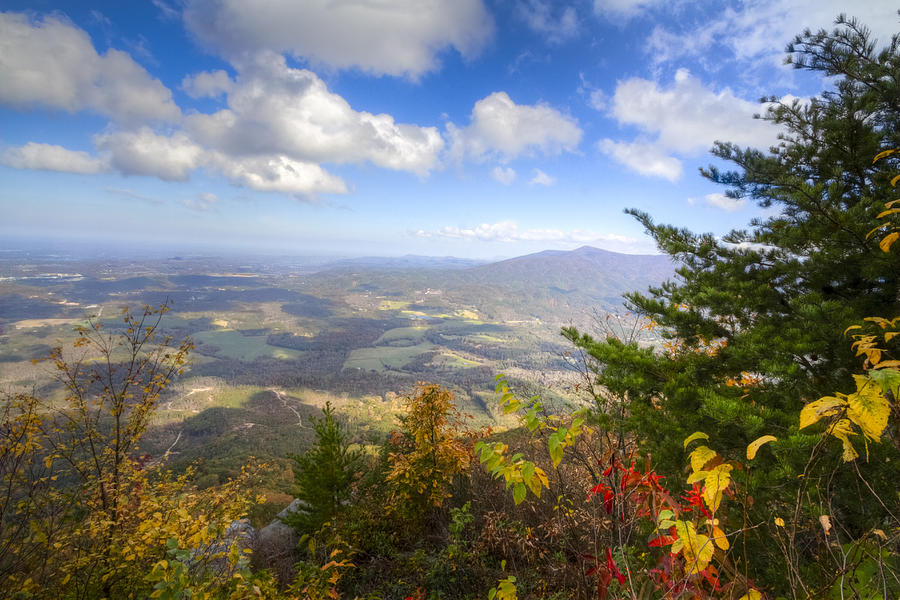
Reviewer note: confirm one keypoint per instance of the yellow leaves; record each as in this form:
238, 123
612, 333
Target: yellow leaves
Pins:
718, 536
700, 456
717, 480
888, 240
842, 430
696, 548
883, 154
779, 522
866, 409
755, 445
751, 595
697, 435
823, 407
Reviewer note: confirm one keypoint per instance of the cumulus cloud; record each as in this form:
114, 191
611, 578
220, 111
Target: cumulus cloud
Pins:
541, 178
725, 203
645, 159
278, 174
52, 63
508, 231
500, 128
208, 84
174, 157
538, 15
685, 117
275, 109
144, 152
280, 124
401, 37
278, 127
505, 175
47, 157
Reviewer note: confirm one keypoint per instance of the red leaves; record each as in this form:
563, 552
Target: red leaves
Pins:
695, 498
608, 496
605, 573
662, 540
613, 569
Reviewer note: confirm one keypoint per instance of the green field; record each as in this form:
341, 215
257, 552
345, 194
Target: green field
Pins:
377, 359
233, 344
411, 334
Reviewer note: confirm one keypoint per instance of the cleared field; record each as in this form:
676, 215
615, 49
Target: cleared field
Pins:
34, 323
233, 344
393, 305
413, 334
195, 398
451, 359
377, 359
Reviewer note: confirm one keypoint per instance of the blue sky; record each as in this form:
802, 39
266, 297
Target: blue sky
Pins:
476, 128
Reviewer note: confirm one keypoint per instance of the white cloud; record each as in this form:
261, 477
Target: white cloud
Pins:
688, 116
538, 15
279, 174
503, 129
133, 195
208, 84
144, 152
274, 109
175, 157
508, 231
47, 157
762, 28
541, 178
201, 202
645, 159
617, 10
167, 11
598, 100
52, 63
400, 37
725, 203
684, 118
505, 175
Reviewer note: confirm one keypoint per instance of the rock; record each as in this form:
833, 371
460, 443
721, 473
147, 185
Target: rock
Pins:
276, 541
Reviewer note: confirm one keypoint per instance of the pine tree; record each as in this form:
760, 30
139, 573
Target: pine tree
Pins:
324, 475
754, 322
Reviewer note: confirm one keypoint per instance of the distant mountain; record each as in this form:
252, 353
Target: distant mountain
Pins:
584, 268
410, 261
578, 280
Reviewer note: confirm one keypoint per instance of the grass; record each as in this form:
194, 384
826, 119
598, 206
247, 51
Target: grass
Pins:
393, 305
377, 359
413, 334
197, 398
240, 347
450, 359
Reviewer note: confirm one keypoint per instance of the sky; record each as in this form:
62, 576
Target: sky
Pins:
470, 128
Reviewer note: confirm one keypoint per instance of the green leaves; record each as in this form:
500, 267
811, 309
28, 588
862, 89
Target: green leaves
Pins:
518, 473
